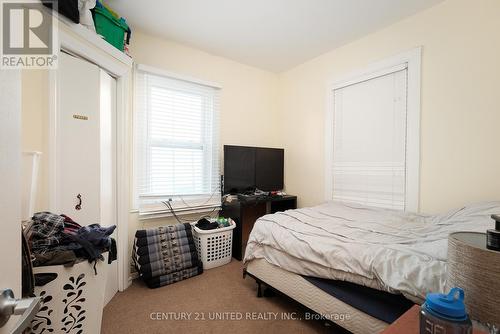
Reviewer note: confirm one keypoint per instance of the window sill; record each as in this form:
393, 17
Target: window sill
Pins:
167, 214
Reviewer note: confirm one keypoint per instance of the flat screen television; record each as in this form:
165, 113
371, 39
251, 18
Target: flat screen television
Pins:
247, 168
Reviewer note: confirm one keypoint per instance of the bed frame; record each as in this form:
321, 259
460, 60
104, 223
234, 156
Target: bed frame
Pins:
313, 298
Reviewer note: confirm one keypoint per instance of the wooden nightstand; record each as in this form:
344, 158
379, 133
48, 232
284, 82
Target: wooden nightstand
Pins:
408, 323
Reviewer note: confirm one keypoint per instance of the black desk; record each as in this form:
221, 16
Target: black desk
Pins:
246, 212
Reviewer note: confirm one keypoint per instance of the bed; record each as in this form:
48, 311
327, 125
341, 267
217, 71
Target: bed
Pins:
396, 252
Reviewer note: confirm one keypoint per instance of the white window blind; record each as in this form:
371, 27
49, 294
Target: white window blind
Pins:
177, 145
369, 134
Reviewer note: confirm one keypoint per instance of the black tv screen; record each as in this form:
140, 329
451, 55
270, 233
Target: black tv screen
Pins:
269, 168
247, 168
239, 169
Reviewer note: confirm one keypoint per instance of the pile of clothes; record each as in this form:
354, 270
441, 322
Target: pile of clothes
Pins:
58, 240
166, 255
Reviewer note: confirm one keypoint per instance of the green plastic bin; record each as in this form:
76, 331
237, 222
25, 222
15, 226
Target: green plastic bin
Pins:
112, 29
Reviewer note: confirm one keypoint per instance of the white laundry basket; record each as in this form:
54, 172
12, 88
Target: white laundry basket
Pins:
73, 302
214, 246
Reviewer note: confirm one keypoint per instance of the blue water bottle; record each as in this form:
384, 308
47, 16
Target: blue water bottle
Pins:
445, 314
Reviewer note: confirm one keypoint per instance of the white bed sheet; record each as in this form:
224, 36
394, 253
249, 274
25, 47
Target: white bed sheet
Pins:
385, 249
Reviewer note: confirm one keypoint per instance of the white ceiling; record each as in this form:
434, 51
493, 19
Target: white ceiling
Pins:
271, 34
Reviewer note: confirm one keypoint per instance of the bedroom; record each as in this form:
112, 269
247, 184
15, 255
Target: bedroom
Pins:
272, 74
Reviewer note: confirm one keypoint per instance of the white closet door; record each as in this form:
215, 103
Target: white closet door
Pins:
78, 140
370, 141
108, 167
86, 148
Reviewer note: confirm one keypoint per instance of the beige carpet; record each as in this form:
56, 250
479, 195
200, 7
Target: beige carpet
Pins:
218, 292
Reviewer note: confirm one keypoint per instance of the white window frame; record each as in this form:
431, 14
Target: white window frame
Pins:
163, 212
412, 60
173, 144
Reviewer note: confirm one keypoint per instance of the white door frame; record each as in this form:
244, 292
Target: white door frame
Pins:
412, 60
77, 40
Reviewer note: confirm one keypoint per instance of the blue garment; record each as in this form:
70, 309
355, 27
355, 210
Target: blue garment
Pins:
94, 239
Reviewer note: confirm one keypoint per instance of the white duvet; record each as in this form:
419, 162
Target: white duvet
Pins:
384, 249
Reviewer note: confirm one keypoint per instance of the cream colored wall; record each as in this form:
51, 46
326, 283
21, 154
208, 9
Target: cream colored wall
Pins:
460, 160
34, 125
248, 101
248, 97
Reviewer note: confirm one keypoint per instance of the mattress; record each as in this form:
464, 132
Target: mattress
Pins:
390, 250
304, 292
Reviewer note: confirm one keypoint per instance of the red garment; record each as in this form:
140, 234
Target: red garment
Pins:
70, 226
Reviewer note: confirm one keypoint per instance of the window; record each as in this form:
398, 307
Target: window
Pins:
177, 144
372, 136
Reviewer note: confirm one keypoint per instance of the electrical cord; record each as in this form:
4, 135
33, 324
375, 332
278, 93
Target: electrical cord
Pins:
169, 206
183, 221
208, 200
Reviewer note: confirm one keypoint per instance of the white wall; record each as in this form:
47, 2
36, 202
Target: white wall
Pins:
460, 103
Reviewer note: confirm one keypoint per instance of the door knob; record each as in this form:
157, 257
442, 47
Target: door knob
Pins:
27, 307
